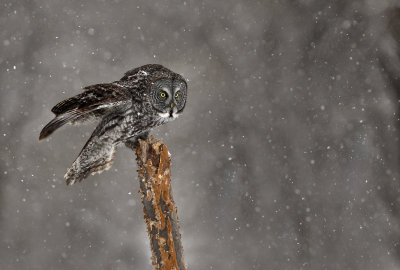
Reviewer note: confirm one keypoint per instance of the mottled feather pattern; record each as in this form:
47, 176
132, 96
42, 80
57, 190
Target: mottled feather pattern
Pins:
125, 111
90, 105
94, 97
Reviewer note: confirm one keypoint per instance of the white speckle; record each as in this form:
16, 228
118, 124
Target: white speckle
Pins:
312, 162
164, 115
91, 31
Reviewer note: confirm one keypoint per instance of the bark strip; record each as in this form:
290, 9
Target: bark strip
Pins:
160, 212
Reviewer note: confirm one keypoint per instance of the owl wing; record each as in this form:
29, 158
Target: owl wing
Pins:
93, 97
96, 156
98, 153
93, 103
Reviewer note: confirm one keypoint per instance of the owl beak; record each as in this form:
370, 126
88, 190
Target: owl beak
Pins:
171, 111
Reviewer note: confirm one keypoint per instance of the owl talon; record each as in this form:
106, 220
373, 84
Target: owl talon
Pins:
133, 143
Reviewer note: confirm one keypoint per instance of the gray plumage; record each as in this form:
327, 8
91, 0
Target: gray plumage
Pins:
144, 98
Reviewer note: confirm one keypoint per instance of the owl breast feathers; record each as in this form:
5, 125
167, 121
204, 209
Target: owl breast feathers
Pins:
146, 97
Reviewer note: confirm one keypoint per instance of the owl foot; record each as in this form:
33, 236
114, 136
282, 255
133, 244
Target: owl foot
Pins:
133, 143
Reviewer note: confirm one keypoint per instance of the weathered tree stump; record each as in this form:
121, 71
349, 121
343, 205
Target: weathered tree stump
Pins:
160, 212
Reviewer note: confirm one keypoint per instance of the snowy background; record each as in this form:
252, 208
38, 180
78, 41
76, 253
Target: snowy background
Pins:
287, 155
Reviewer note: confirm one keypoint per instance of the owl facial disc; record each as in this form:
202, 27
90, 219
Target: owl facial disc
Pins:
168, 97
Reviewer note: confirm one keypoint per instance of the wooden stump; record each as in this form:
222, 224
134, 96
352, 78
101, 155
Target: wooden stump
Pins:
160, 212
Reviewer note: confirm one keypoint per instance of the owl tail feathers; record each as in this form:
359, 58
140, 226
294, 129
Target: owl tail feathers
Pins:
56, 123
91, 160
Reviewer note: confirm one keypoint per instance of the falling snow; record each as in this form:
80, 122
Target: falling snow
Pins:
286, 157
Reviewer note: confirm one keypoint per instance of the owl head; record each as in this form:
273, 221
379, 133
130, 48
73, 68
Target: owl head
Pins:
164, 89
168, 95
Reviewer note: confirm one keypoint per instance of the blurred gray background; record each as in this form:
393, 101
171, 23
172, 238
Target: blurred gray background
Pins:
287, 155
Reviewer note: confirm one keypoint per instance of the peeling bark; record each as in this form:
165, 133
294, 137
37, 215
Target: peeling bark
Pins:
160, 212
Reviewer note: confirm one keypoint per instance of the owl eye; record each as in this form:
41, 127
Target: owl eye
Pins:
177, 94
163, 94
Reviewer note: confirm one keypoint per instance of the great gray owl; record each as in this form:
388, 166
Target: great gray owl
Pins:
146, 97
